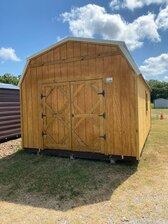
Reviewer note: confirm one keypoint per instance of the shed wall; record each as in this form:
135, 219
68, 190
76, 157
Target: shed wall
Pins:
65, 63
160, 103
144, 112
9, 113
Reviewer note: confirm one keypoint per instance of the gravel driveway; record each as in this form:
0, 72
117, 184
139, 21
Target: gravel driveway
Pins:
9, 147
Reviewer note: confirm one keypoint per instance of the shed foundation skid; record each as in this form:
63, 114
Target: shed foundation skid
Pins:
80, 155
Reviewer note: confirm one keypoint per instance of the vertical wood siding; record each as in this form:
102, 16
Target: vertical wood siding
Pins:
120, 96
144, 121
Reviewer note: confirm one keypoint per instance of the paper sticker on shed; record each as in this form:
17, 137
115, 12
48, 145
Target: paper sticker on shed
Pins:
109, 80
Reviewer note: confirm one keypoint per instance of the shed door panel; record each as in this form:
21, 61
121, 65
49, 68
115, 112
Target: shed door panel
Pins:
87, 105
56, 116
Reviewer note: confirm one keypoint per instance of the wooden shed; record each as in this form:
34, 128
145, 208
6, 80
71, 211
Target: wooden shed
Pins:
85, 97
9, 111
160, 103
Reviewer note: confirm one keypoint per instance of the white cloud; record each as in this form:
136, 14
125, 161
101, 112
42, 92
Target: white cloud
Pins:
162, 19
141, 28
8, 54
166, 78
92, 20
115, 4
155, 66
133, 4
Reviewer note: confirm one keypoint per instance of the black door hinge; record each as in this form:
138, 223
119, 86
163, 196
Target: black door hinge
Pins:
101, 93
42, 96
102, 115
103, 136
43, 115
44, 133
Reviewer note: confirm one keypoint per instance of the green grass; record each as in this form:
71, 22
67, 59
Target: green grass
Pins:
159, 131
156, 113
37, 179
156, 147
81, 181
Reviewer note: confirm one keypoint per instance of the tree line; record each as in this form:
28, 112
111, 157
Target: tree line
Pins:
10, 79
159, 88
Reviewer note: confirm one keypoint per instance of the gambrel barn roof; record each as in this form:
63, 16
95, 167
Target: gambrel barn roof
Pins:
121, 45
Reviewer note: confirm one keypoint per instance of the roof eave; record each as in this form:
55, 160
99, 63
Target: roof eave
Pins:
145, 82
23, 73
125, 51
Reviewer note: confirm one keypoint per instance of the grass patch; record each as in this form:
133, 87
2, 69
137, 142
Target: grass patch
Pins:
81, 181
60, 183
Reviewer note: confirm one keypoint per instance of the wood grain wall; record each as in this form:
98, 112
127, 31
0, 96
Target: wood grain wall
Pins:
72, 61
144, 113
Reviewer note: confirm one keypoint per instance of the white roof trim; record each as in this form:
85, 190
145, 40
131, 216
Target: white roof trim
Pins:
8, 86
120, 44
23, 73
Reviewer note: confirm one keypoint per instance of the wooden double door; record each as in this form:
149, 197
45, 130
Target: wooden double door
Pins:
73, 116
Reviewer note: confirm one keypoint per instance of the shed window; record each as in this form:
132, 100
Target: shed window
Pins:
146, 96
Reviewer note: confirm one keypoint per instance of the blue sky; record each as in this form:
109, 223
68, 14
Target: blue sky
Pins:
27, 27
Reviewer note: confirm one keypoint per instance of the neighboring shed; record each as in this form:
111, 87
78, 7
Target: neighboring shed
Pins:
9, 111
160, 103
85, 97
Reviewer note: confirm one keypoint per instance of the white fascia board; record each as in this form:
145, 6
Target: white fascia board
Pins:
23, 73
48, 48
145, 82
127, 54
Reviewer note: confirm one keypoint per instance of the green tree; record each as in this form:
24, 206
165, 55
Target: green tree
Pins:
159, 89
9, 79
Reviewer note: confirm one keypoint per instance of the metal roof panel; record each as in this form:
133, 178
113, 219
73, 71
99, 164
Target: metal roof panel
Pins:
8, 86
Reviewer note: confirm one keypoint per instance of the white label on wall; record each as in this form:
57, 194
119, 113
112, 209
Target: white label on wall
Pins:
109, 79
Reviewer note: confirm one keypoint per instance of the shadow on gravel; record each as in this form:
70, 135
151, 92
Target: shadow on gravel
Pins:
59, 183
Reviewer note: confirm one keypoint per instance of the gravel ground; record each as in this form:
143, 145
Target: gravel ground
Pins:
9, 147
